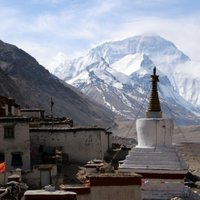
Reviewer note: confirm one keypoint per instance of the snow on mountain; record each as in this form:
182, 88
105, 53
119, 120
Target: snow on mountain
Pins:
109, 87
155, 47
126, 95
100, 72
159, 50
58, 65
132, 63
185, 79
117, 75
168, 95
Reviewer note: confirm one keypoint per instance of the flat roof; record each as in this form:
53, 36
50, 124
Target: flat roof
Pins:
66, 129
117, 174
14, 119
31, 110
45, 192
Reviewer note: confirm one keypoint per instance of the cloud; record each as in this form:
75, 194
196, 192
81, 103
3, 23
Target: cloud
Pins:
73, 22
41, 52
103, 7
47, 1
184, 32
74, 26
12, 23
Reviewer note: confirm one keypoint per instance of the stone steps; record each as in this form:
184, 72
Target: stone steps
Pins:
161, 164
151, 167
163, 158
156, 156
153, 157
154, 152
155, 149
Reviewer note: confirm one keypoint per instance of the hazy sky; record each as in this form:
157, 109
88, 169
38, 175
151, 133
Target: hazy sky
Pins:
48, 28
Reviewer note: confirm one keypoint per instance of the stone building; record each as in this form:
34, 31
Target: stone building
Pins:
106, 186
79, 144
14, 137
8, 107
33, 142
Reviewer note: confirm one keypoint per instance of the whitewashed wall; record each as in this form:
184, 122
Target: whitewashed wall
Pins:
153, 132
80, 144
20, 142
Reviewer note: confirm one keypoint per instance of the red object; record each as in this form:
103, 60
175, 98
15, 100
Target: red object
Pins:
2, 167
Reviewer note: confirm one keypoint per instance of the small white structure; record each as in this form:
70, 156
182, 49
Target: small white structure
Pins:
155, 151
155, 158
154, 132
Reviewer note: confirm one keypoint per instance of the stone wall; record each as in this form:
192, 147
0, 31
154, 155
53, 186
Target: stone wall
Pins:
80, 145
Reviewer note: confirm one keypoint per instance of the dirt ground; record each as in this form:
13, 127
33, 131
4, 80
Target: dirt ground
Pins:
187, 140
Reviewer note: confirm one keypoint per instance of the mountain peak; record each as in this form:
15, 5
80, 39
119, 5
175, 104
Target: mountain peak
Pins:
159, 50
133, 62
145, 35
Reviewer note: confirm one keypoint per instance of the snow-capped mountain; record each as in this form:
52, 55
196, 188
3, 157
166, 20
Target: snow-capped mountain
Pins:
159, 50
185, 79
108, 87
116, 74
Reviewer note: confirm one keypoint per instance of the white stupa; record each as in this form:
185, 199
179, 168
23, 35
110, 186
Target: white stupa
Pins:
155, 157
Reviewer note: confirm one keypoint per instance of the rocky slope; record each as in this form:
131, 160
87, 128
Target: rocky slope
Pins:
23, 78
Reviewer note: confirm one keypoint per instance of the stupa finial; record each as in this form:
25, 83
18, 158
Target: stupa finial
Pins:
154, 71
154, 110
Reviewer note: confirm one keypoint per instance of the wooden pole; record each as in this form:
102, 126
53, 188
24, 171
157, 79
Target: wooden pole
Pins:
4, 178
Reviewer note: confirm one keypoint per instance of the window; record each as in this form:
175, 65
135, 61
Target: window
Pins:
2, 157
9, 132
17, 159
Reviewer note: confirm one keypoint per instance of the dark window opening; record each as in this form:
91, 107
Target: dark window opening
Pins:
2, 112
2, 157
9, 132
17, 160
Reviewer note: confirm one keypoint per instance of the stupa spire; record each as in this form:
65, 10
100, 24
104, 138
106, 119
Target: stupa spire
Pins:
154, 110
